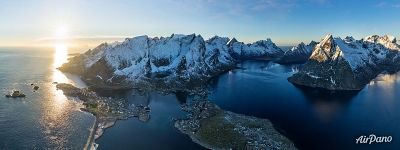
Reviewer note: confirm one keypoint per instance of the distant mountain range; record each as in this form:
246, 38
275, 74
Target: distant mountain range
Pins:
184, 61
297, 54
178, 61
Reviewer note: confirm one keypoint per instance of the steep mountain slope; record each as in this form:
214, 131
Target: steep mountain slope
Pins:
348, 64
260, 49
174, 62
298, 54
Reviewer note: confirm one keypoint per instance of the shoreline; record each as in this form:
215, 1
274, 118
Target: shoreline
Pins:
97, 130
102, 126
215, 128
195, 139
106, 110
90, 145
206, 124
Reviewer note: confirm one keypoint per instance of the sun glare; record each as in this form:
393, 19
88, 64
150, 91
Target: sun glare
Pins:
61, 32
61, 54
60, 57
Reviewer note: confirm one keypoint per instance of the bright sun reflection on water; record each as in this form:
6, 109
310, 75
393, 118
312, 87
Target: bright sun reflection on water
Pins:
58, 112
60, 57
56, 108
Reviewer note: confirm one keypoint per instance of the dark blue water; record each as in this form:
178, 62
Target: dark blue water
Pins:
312, 119
44, 119
158, 133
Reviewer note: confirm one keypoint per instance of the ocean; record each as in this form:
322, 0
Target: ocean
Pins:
46, 119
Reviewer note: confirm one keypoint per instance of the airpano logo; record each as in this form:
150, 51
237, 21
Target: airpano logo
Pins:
372, 138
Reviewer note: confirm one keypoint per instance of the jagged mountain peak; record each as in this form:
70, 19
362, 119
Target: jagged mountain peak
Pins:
266, 41
325, 49
349, 39
224, 40
386, 41
301, 47
136, 38
327, 38
233, 40
313, 43
177, 36
381, 39
166, 58
298, 54
347, 63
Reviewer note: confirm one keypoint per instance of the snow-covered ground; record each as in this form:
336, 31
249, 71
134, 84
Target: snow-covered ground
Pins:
185, 56
348, 63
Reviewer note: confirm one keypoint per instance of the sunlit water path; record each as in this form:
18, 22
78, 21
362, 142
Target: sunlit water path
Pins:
45, 118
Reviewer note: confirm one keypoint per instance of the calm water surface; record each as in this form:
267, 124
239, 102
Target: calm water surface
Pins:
44, 119
313, 120
158, 133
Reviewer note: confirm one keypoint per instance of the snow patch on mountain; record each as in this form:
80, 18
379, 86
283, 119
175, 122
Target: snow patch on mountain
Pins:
262, 48
297, 54
167, 58
357, 53
348, 64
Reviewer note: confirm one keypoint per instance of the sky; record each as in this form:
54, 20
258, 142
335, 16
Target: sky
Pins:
286, 22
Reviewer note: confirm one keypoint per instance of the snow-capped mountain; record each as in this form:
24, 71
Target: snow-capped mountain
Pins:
259, 49
165, 61
348, 64
297, 54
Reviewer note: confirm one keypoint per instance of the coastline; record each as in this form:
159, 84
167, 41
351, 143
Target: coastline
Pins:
97, 130
91, 145
106, 110
101, 126
215, 128
207, 124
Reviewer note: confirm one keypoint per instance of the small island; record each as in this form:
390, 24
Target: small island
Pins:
15, 94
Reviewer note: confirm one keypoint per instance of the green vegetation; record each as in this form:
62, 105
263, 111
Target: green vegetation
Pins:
96, 110
91, 105
220, 133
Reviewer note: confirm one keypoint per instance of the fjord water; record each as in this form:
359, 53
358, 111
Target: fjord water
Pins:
45, 119
158, 133
310, 118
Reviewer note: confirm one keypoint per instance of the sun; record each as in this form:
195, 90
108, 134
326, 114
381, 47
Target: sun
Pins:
61, 32
60, 36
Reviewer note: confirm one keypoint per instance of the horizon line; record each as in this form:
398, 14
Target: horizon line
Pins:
78, 41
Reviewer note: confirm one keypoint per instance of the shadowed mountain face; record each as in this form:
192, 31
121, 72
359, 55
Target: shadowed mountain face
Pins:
348, 64
298, 54
175, 62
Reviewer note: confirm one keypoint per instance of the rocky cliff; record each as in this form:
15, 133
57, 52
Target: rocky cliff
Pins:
173, 62
348, 64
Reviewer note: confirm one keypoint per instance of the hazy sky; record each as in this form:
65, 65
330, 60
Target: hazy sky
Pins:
286, 22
